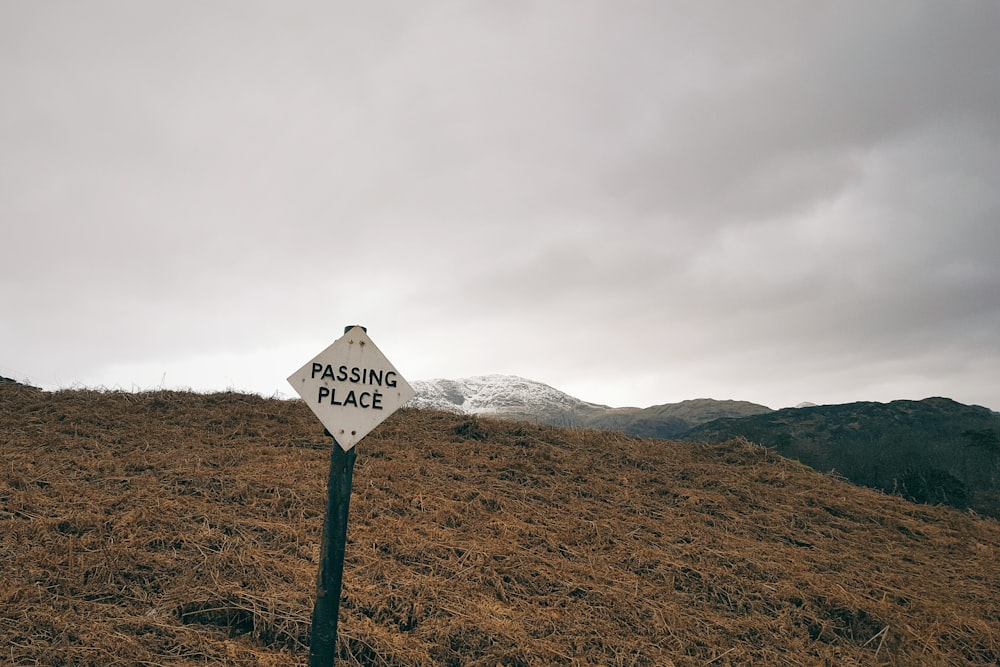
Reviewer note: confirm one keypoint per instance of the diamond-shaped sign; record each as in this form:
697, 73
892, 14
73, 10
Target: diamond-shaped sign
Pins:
351, 387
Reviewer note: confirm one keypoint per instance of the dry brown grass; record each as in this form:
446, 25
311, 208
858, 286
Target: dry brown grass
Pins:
171, 528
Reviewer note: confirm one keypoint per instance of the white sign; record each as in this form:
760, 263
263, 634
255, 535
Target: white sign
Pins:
351, 387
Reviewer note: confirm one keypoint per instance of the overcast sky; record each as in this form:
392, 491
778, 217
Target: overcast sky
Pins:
634, 202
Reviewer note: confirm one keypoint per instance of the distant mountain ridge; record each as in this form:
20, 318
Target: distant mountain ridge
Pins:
514, 397
933, 451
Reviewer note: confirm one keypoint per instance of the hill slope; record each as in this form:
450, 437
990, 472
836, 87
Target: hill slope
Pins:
934, 450
179, 529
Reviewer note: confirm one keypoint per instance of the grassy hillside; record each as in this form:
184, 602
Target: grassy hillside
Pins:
179, 529
931, 451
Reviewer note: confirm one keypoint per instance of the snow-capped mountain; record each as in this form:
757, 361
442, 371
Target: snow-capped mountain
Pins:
502, 395
515, 397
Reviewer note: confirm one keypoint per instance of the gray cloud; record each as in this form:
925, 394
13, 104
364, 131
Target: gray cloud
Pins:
647, 201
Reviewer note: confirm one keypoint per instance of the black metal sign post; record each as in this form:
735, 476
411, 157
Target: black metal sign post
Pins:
323, 641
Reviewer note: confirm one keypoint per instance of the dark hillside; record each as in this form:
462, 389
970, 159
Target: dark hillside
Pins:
671, 419
170, 528
930, 451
